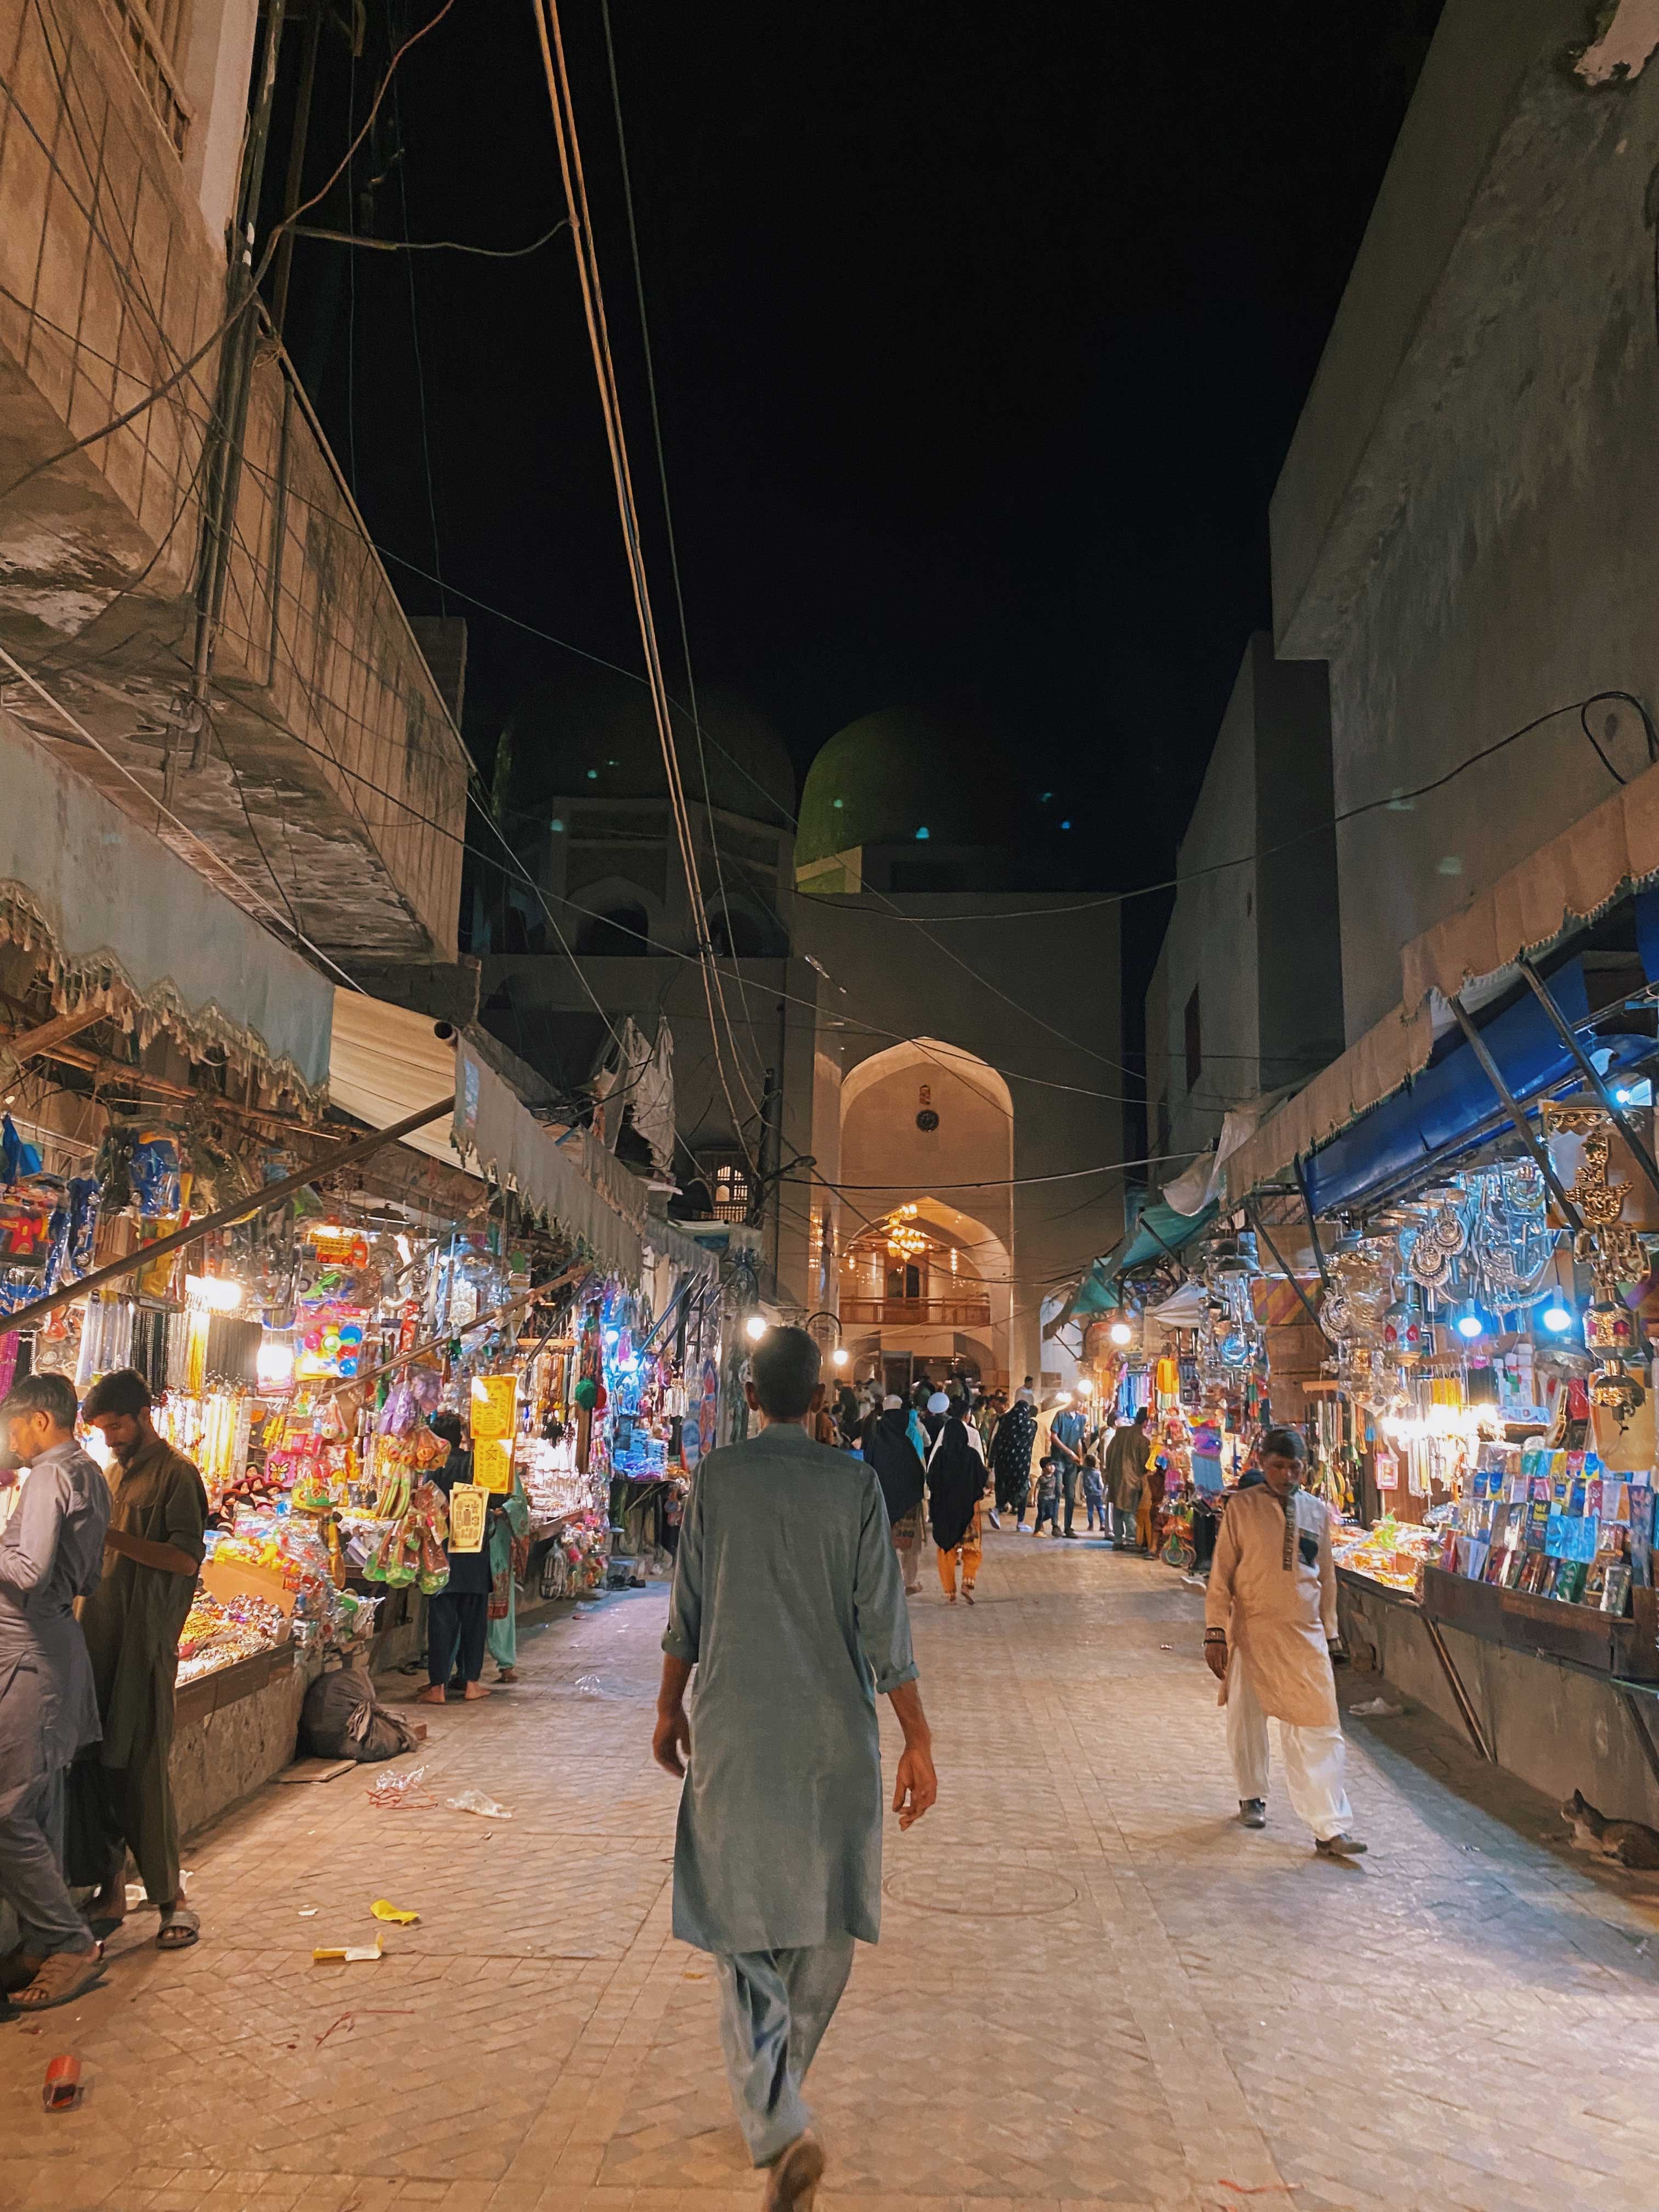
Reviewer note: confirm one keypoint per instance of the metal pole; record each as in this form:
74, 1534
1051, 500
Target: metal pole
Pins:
1567, 1035
1254, 1212
260, 1202
1313, 1225
1523, 1127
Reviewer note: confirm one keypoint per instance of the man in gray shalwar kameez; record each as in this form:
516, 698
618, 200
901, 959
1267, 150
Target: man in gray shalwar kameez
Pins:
788, 1602
52, 1551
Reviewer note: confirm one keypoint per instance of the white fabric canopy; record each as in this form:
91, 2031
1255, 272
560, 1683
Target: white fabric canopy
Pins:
386, 1063
128, 925
575, 1181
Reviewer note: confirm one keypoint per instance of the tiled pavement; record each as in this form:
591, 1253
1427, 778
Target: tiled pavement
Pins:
1093, 1987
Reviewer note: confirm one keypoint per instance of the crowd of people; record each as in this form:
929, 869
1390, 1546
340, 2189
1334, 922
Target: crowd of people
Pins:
953, 1459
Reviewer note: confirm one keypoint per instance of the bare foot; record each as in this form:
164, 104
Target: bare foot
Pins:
477, 1690
434, 1696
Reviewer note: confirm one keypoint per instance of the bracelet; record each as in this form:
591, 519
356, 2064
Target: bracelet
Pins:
1215, 1636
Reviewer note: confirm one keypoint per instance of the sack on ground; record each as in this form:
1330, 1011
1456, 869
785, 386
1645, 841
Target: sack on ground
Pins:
340, 1719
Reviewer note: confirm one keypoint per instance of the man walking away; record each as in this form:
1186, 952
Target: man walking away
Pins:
51, 1554
123, 1791
1011, 1457
1269, 1621
1066, 1437
1125, 1472
888, 1449
787, 1602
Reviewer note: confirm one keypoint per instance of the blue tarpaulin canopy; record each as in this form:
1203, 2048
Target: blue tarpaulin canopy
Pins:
1451, 1104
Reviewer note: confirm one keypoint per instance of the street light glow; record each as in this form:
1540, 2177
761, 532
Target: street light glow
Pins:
755, 1327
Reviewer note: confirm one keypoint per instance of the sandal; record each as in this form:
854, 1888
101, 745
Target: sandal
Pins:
65, 1975
179, 1929
18, 1969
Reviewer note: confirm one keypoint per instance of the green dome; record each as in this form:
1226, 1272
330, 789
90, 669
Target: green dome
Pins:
887, 777
593, 736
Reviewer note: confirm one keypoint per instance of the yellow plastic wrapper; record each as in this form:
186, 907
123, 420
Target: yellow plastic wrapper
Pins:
383, 1909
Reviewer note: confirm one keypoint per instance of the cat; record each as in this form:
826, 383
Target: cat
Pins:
1631, 1843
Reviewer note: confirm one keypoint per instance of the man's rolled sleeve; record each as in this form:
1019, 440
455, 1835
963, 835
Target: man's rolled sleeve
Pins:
883, 1618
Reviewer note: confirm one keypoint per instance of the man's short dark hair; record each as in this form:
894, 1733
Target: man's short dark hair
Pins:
123, 1390
448, 1426
51, 1394
1143, 1417
1284, 1444
784, 1370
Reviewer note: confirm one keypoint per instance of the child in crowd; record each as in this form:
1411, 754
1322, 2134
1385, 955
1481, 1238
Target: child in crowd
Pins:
1048, 1498
1094, 1493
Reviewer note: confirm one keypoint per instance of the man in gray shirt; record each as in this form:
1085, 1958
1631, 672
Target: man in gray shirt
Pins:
787, 1601
51, 1552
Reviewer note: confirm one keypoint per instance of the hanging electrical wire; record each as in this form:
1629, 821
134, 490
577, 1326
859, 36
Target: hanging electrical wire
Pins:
550, 38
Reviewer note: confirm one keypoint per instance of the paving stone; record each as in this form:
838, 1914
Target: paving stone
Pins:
1093, 1989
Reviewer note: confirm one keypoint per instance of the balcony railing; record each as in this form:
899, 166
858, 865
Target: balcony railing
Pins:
925, 1313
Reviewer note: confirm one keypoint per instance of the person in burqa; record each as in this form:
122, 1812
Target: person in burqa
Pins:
889, 1448
1011, 1457
956, 1485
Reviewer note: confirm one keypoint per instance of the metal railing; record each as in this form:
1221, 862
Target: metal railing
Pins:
929, 1313
154, 39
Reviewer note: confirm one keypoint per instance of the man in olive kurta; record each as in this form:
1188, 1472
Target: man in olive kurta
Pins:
132, 1623
787, 1601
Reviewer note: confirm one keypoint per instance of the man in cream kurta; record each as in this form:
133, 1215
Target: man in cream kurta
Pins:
1269, 1620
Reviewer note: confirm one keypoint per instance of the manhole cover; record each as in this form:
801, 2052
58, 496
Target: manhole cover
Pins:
940, 1893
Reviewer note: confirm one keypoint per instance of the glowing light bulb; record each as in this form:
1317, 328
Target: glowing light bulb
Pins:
838, 1356
1120, 1333
1557, 1318
755, 1327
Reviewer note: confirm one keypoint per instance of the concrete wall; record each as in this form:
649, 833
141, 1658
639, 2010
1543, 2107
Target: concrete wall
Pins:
1470, 514
887, 981
110, 281
528, 999
1210, 945
1558, 1729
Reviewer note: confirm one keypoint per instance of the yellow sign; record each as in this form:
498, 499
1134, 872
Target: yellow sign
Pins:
494, 1419
469, 1509
494, 1405
492, 1464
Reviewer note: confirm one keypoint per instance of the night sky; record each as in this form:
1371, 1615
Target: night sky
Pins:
980, 335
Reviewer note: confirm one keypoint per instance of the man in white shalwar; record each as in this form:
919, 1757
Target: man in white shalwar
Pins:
1269, 1621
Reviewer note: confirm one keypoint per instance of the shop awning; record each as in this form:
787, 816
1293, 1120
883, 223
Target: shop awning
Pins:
1157, 1231
128, 926
1575, 877
384, 1061
571, 1177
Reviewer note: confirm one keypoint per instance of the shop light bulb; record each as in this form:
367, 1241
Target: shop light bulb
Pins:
216, 1292
274, 1361
1557, 1318
838, 1356
1469, 1325
1120, 1333
1085, 1388
1062, 1397
755, 1327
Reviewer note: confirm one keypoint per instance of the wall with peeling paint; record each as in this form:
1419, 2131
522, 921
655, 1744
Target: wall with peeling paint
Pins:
330, 777
1466, 527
